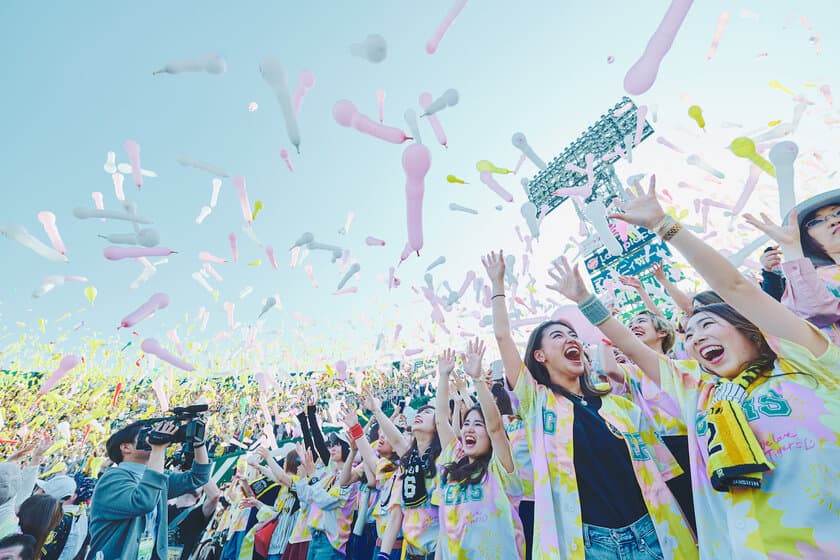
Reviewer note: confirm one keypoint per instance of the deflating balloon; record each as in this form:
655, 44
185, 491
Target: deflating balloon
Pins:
425, 101
519, 141
449, 98
346, 114
433, 43
743, 147
416, 161
459, 208
47, 219
210, 168
304, 239
274, 74
132, 148
87, 213
269, 303
116, 253
212, 64
783, 155
153, 347
373, 49
354, 268
596, 213
305, 82
67, 363
155, 303
146, 237
696, 113
19, 233
529, 212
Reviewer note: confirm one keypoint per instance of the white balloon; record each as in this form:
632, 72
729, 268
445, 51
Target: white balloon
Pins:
410, 117
110, 163
269, 303
459, 208
146, 237
19, 233
87, 213
596, 213
274, 74
304, 239
449, 99
126, 168
246, 292
354, 268
519, 141
782, 156
211, 63
695, 160
437, 262
373, 49
205, 211
529, 212
186, 161
214, 197
49, 284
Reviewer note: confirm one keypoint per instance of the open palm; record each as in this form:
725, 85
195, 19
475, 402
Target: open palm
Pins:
568, 281
473, 357
642, 209
783, 235
494, 264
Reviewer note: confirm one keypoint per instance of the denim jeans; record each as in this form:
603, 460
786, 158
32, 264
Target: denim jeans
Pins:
321, 549
637, 541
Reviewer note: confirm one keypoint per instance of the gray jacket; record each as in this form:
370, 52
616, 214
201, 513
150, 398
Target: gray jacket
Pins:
123, 497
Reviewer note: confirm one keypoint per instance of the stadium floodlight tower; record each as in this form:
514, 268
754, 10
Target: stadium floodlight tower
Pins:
613, 136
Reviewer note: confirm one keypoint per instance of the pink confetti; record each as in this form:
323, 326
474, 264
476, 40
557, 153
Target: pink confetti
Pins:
374, 242
721, 25
311, 275
269, 250
205, 256
118, 179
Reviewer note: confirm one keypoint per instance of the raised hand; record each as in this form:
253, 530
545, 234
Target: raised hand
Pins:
770, 259
494, 264
642, 209
446, 362
473, 357
783, 235
631, 281
263, 453
371, 403
657, 271
568, 281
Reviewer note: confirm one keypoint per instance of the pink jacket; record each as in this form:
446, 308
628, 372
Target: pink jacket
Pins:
814, 294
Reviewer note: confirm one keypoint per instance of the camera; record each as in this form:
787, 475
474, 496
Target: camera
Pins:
191, 428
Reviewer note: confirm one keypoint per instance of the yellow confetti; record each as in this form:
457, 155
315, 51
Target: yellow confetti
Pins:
42, 325
255, 263
775, 123
258, 205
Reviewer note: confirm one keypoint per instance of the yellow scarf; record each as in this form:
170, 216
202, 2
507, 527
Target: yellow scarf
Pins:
735, 456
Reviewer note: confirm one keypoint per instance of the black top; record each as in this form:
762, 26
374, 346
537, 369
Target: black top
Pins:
609, 492
189, 530
773, 284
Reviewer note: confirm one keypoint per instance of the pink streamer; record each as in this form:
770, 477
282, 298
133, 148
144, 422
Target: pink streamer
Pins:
488, 179
433, 43
241, 189
132, 148
721, 25
425, 100
67, 363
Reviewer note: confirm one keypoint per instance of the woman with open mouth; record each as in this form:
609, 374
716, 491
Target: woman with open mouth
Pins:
761, 399
480, 486
599, 470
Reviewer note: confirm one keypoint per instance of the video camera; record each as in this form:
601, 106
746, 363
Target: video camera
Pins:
191, 429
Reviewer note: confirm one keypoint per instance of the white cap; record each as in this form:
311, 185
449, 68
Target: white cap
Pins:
61, 487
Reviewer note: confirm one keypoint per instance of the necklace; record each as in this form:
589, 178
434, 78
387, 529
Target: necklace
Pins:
580, 398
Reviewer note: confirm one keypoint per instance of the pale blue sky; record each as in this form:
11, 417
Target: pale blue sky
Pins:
78, 82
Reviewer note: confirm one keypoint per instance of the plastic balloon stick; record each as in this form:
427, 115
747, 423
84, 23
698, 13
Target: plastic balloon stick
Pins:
132, 148
411, 120
696, 113
459, 208
437, 262
110, 165
529, 212
118, 179
269, 250
205, 256
433, 43
667, 144
47, 219
449, 98
186, 161
373, 49
354, 269
153, 347
117, 253
146, 237
242, 191
484, 165
284, 155
721, 25
205, 211
642, 74
155, 303
67, 363
695, 160
380, 101
87, 213
783, 155
346, 114
426, 100
305, 82
304, 239
98, 200
454, 179
596, 213
519, 141
776, 85
269, 303
374, 242
488, 179
743, 147
207, 267
211, 63
200, 279
21, 235
274, 74
246, 292
311, 275
826, 91
416, 160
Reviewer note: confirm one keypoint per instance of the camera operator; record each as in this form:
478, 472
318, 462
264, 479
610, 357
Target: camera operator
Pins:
128, 515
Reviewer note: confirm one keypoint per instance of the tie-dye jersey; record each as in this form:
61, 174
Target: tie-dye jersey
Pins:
814, 294
796, 419
300, 532
661, 409
558, 527
515, 428
330, 508
479, 521
385, 478
421, 525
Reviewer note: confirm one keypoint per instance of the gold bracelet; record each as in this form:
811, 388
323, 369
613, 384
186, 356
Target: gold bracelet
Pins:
672, 231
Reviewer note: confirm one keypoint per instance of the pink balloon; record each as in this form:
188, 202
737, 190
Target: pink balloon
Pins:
153, 347
285, 155
826, 91
98, 201
239, 183
47, 219
232, 240
305, 81
343, 112
173, 336
67, 363
571, 314
432, 44
426, 100
346, 114
132, 148
416, 161
118, 178
341, 368
311, 275
205, 256
155, 303
229, 309
372, 241
380, 98
270, 252
113, 253
487, 178
721, 25
640, 76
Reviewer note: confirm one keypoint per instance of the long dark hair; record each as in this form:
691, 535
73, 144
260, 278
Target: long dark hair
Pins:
39, 514
434, 449
706, 297
463, 471
502, 399
766, 356
540, 372
810, 248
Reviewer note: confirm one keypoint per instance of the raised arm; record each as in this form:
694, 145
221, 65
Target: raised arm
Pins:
317, 434
569, 283
395, 437
639, 287
747, 298
280, 475
495, 266
446, 364
347, 476
681, 299
492, 418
